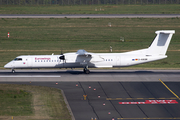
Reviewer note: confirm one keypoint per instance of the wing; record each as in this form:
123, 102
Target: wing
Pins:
83, 57
88, 57
82, 52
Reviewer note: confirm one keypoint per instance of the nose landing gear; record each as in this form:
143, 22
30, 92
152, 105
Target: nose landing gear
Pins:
13, 71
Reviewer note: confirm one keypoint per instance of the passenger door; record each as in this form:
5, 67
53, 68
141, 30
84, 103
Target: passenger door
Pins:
29, 61
118, 60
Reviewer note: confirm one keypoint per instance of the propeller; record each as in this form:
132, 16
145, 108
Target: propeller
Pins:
62, 57
61, 51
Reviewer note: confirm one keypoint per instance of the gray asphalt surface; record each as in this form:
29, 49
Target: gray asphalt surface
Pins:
89, 15
95, 75
119, 91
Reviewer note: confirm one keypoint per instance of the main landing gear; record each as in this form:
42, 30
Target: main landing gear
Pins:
86, 70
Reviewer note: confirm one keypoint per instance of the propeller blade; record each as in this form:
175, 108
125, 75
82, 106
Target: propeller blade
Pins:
62, 57
61, 51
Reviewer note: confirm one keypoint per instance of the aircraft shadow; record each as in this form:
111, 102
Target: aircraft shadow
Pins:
92, 72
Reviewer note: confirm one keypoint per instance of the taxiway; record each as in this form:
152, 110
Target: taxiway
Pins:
107, 89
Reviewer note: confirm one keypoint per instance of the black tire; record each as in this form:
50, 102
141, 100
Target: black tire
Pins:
13, 71
87, 72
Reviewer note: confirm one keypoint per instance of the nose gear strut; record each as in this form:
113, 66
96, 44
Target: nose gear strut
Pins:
13, 71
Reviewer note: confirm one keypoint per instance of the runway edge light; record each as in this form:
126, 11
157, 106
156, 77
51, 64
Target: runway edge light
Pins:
104, 103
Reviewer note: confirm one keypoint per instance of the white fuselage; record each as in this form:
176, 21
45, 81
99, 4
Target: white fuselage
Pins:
99, 60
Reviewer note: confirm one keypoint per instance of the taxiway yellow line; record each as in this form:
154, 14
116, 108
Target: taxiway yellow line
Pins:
168, 88
149, 98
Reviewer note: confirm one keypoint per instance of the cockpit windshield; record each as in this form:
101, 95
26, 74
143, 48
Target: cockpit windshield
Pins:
18, 59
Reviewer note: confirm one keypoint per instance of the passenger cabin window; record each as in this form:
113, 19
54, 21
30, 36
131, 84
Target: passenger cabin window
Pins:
18, 59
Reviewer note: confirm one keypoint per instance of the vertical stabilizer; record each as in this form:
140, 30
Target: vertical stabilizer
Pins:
161, 42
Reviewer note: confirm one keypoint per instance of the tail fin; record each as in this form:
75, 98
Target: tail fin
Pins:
161, 42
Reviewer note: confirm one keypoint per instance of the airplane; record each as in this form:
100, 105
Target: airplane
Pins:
82, 59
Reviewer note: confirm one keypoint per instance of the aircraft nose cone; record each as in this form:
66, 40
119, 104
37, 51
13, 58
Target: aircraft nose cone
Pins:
7, 65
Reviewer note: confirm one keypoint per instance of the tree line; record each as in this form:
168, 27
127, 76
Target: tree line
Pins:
86, 2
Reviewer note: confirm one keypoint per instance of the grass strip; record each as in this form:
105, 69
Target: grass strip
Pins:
15, 102
25, 102
90, 9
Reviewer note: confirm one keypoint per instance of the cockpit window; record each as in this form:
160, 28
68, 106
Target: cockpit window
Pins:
18, 59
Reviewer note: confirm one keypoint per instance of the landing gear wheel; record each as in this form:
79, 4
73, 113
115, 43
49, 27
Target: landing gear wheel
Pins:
86, 71
13, 71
